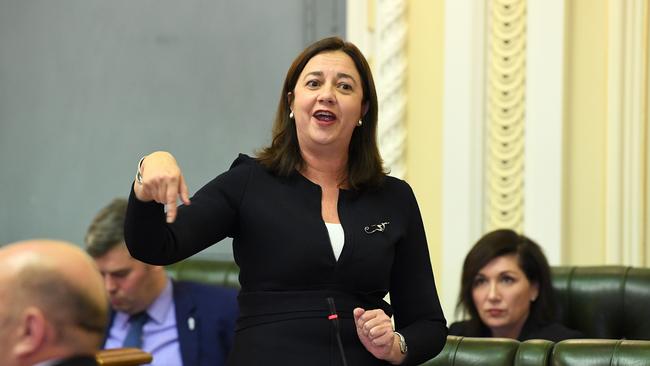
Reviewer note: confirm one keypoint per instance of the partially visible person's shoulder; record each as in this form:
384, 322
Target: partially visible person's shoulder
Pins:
396, 185
235, 177
243, 162
394, 181
459, 328
243, 159
555, 332
248, 164
467, 328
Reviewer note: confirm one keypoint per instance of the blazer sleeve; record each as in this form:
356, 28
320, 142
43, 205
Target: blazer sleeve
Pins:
211, 216
413, 295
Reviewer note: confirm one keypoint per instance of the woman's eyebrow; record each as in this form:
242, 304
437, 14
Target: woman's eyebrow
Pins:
339, 75
509, 272
314, 73
347, 76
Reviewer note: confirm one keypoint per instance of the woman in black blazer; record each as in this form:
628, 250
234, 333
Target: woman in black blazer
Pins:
320, 232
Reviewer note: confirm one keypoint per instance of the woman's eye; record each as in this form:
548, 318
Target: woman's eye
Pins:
479, 282
507, 279
312, 83
345, 86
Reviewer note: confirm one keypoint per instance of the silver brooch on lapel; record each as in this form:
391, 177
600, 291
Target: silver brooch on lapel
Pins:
376, 227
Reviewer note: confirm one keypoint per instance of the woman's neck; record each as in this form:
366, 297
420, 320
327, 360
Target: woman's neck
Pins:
325, 169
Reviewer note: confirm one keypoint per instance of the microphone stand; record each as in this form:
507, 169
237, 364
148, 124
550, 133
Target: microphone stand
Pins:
335, 322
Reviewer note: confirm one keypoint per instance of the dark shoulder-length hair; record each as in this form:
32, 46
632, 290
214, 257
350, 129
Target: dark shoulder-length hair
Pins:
282, 157
532, 262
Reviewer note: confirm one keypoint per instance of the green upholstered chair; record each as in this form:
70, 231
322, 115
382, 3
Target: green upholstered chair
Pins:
223, 273
601, 352
604, 301
534, 352
467, 351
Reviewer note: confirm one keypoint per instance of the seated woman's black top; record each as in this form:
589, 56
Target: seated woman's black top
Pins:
554, 332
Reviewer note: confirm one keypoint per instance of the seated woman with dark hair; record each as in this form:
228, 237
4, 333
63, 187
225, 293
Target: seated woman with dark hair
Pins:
506, 291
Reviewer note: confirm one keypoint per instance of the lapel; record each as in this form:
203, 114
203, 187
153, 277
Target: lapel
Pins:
187, 323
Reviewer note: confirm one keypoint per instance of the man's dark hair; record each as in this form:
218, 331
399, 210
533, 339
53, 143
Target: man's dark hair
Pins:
107, 229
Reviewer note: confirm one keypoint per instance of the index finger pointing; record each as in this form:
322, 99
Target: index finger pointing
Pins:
170, 202
185, 193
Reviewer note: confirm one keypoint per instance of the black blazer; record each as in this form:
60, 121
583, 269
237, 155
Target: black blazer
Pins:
553, 332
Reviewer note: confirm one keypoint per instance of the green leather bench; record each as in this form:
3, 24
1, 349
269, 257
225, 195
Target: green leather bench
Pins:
601, 301
466, 351
601, 352
604, 301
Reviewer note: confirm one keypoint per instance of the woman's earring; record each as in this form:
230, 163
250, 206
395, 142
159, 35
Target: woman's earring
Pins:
291, 115
359, 123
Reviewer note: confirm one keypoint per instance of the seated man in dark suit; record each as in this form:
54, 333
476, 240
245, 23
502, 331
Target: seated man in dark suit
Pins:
53, 308
179, 323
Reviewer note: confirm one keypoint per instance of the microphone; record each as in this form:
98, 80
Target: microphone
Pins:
334, 318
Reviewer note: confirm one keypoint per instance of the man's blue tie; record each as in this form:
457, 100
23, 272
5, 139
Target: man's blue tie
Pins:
134, 336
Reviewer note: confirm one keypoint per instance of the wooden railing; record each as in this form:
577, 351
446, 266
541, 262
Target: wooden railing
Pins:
123, 357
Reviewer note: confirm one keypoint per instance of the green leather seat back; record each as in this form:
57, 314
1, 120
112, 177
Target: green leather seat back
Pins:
604, 301
601, 352
630, 352
534, 352
222, 273
636, 304
466, 351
